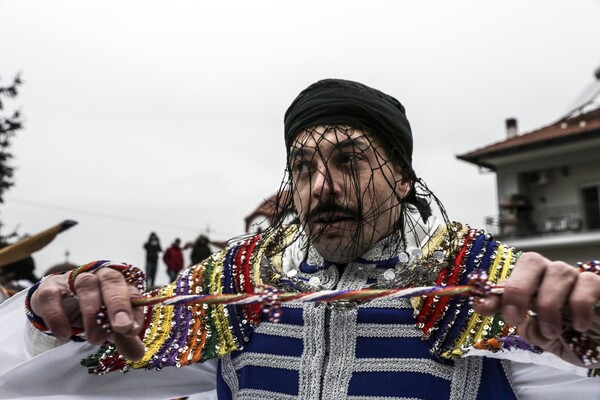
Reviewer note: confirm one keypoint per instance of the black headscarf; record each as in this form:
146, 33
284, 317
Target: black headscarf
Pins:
342, 102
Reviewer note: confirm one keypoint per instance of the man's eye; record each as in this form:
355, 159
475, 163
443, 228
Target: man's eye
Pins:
350, 158
300, 166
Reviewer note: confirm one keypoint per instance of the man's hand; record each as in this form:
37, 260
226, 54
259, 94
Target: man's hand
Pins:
542, 298
61, 312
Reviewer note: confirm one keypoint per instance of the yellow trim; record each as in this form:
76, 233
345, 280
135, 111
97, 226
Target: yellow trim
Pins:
493, 270
508, 265
155, 338
225, 340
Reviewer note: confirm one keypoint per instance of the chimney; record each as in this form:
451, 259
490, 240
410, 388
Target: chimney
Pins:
511, 128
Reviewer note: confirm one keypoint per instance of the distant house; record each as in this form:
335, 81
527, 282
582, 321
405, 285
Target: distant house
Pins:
266, 212
548, 183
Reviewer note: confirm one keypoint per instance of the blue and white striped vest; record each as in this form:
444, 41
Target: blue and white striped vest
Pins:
366, 352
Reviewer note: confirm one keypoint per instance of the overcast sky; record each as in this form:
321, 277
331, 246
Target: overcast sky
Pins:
168, 115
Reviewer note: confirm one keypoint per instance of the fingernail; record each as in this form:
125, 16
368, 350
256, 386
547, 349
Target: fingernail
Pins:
121, 319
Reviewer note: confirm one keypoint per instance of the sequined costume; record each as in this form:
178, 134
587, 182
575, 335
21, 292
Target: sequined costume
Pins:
344, 350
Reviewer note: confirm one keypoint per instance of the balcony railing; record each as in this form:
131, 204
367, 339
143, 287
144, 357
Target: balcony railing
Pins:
548, 220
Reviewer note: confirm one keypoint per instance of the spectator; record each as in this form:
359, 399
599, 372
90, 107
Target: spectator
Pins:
200, 250
173, 257
153, 248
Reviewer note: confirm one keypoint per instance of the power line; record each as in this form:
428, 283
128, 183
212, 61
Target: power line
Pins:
106, 216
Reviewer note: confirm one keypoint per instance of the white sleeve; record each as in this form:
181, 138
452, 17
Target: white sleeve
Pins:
13, 323
546, 376
539, 382
57, 374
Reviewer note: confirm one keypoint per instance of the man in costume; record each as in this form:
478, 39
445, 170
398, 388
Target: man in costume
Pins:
365, 221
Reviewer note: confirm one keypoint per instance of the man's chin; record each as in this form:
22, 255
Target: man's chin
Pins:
336, 249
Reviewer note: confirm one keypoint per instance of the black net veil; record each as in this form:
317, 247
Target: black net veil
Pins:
344, 140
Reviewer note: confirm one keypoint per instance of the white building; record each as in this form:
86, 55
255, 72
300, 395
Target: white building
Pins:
548, 184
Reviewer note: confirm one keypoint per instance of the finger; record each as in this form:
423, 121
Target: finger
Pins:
583, 300
552, 296
137, 312
47, 302
521, 287
87, 287
130, 347
488, 306
116, 295
529, 330
138, 317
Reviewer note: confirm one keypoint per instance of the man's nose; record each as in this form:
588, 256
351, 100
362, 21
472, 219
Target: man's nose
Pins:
324, 184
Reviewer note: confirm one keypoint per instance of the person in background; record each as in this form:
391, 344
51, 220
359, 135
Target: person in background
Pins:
19, 274
200, 250
16, 276
153, 249
173, 257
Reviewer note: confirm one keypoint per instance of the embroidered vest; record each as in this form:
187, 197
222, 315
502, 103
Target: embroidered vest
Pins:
344, 352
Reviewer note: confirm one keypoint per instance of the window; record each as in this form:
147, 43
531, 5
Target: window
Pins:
591, 207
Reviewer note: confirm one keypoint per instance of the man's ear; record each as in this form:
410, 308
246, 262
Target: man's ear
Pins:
403, 183
403, 187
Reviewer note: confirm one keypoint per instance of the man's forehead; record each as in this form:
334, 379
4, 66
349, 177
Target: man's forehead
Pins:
324, 136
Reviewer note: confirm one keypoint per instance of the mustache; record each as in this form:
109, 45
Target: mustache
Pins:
331, 208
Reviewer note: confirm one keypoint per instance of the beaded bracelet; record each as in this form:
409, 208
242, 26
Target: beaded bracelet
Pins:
590, 266
132, 275
37, 321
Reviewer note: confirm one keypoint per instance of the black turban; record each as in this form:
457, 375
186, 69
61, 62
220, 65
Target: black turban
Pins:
342, 102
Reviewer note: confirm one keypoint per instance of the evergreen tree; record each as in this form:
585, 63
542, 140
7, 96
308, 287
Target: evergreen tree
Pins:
10, 123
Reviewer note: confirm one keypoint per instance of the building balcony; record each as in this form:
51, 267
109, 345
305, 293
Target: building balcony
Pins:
555, 225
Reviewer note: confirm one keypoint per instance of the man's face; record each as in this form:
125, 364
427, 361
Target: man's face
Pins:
346, 191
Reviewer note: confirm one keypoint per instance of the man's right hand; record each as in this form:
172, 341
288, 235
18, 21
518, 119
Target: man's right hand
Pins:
61, 311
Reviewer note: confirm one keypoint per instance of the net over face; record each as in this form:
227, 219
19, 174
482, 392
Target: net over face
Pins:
346, 191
